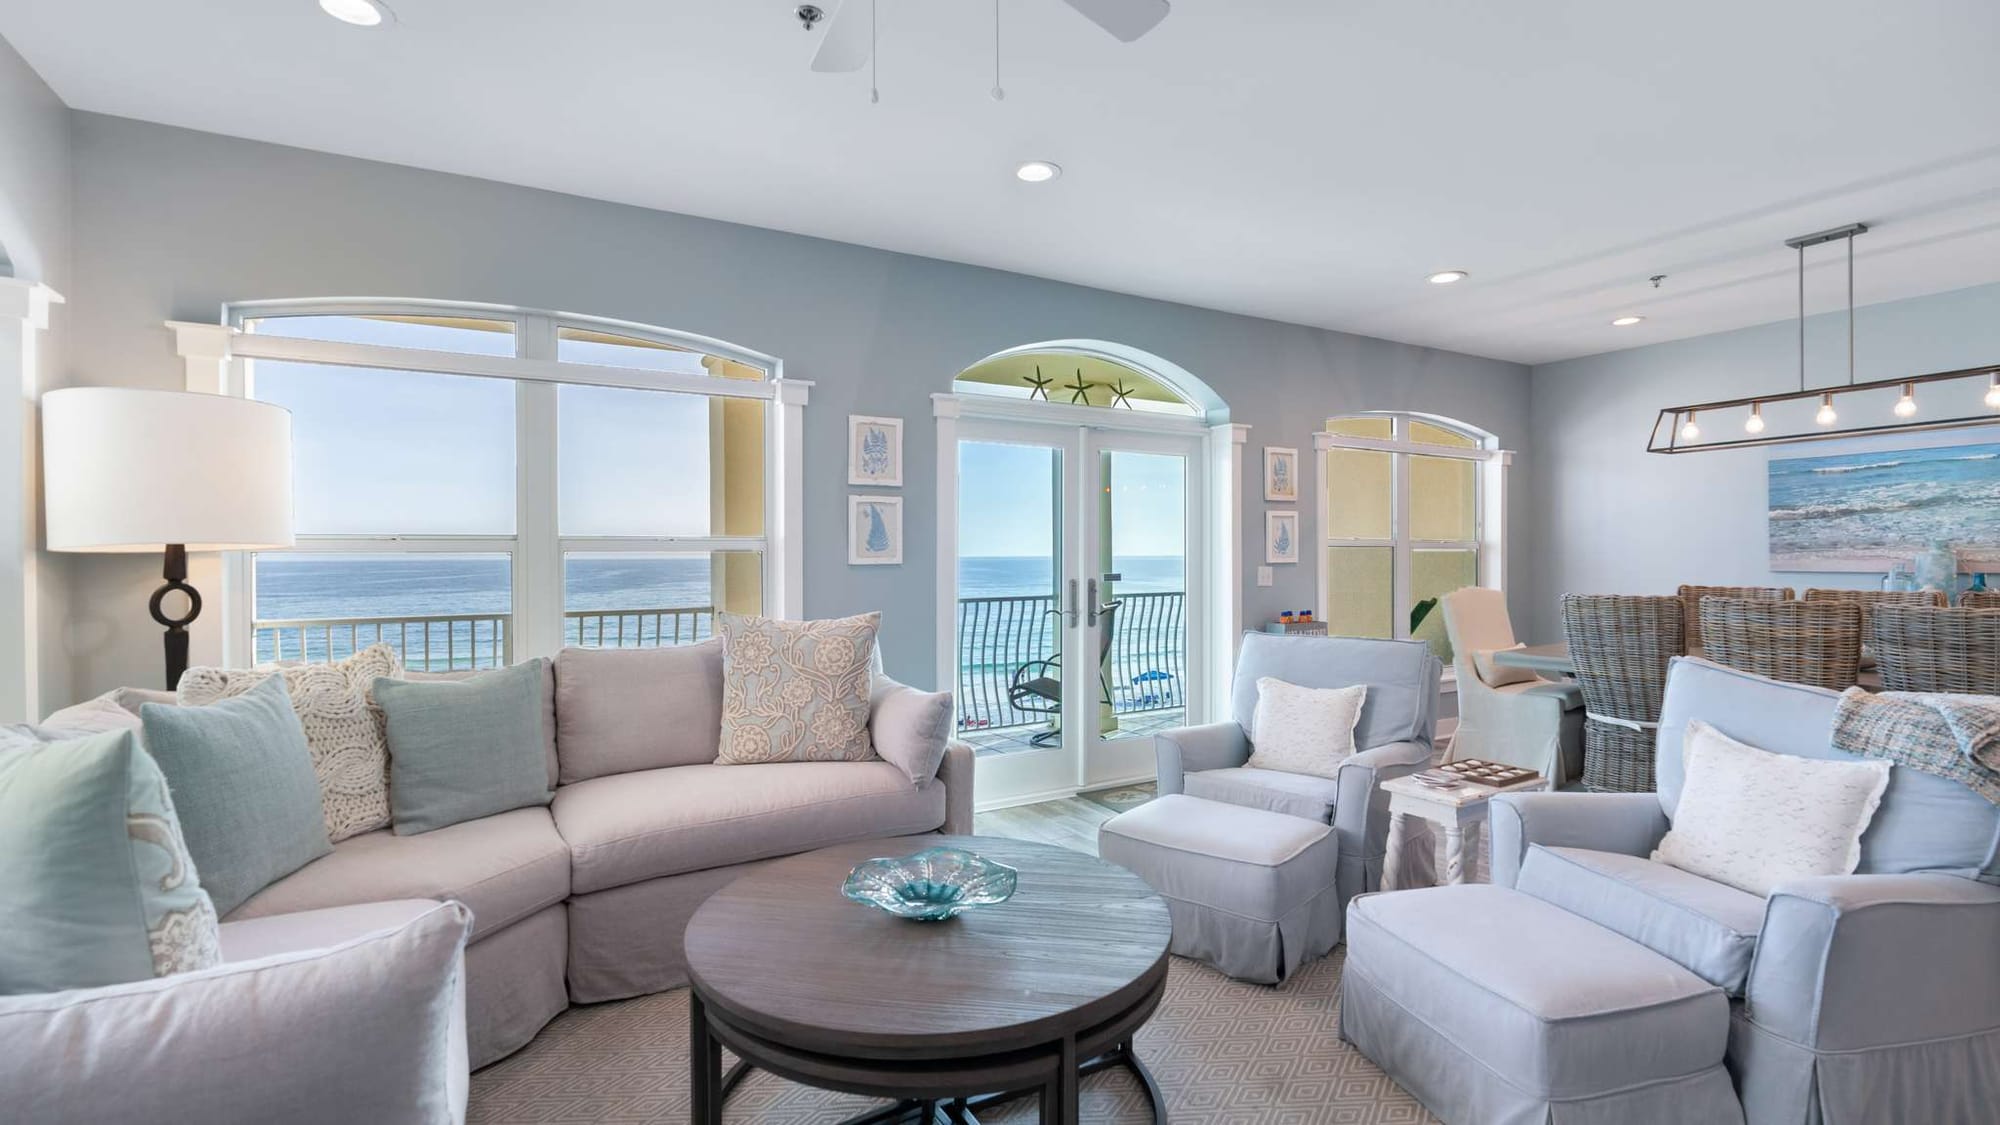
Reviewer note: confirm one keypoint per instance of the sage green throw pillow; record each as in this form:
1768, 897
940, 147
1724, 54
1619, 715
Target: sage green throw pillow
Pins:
243, 780
460, 750
97, 884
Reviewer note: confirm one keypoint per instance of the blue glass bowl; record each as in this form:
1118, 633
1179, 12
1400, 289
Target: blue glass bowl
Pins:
932, 885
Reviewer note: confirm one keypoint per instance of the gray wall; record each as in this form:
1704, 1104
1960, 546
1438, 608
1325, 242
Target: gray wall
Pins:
1616, 519
34, 246
170, 224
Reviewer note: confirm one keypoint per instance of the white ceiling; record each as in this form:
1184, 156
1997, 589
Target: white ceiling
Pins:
1306, 160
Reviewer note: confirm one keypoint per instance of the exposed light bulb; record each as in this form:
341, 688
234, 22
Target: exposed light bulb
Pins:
1907, 405
1755, 423
1826, 416
1690, 431
1993, 392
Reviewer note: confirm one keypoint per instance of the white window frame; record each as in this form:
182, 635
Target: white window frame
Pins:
1489, 505
220, 359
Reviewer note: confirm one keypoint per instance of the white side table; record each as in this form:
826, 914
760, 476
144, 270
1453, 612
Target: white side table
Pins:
1454, 810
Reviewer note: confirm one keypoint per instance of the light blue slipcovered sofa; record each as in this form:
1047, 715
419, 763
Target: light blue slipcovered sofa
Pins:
1872, 997
1393, 738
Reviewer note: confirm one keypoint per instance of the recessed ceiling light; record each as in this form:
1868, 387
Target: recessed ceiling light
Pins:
1446, 277
360, 13
1037, 172
1626, 321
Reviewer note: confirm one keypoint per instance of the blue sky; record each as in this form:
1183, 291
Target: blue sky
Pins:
1006, 502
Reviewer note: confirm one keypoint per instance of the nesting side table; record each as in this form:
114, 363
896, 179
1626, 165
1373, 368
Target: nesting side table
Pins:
1456, 811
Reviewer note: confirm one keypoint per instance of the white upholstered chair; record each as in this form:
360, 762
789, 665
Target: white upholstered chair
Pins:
1506, 716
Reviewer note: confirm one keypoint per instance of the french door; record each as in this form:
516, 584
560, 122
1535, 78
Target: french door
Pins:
1079, 580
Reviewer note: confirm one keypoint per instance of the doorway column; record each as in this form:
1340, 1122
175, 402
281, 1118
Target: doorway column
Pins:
1225, 561
24, 316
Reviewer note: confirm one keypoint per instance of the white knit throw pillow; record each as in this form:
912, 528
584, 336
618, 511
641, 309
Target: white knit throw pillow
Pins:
1753, 819
1304, 730
344, 728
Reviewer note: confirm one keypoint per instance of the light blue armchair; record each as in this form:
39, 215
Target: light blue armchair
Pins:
1393, 738
1855, 998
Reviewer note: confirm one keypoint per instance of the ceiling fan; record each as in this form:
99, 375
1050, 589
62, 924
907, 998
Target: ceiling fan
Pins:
846, 45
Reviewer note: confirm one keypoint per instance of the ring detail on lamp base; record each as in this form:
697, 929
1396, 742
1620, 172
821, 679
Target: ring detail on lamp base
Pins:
175, 572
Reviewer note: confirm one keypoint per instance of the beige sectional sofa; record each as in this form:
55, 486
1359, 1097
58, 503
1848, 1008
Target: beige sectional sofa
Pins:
586, 900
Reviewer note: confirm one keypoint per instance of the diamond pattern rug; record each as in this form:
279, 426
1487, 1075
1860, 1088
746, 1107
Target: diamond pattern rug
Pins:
1224, 1052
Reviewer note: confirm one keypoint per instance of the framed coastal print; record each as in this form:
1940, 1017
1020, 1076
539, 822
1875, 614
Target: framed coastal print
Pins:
1281, 537
874, 530
875, 451
1281, 474
1868, 511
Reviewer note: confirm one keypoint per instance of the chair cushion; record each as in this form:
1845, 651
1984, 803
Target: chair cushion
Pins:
1707, 927
1296, 794
1247, 862
504, 867
625, 709
1560, 1006
1570, 693
637, 826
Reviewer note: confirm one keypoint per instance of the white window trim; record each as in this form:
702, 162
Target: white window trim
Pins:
217, 359
1489, 505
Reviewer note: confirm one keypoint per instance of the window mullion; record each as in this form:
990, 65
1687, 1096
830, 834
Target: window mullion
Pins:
1400, 584
538, 564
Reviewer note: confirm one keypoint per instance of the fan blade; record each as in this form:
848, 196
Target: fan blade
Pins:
1125, 19
847, 38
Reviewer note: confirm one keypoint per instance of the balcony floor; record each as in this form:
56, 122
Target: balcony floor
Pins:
1014, 740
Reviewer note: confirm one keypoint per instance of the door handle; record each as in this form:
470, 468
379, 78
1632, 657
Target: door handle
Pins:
1092, 602
1069, 615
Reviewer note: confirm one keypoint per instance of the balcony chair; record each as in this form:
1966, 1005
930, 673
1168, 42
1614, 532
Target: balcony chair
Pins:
1505, 717
1393, 737
1816, 643
1620, 645
1851, 998
1036, 687
1918, 648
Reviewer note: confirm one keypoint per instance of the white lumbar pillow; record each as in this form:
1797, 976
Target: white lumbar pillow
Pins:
1754, 819
1494, 674
1304, 730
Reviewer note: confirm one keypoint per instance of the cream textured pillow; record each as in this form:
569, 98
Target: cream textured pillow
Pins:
1499, 675
344, 729
1304, 730
795, 691
1753, 819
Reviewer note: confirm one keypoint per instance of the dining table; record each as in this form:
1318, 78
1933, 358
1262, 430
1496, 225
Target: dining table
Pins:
1552, 661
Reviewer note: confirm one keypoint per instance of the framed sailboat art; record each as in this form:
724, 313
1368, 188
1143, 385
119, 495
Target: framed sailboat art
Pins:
874, 530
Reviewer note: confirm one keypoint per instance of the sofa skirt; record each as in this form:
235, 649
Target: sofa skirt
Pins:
514, 984
628, 941
1939, 1082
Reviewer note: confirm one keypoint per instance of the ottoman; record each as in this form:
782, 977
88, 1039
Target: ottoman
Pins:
1250, 892
1496, 1008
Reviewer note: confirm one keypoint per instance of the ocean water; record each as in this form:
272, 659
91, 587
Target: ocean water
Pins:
1850, 511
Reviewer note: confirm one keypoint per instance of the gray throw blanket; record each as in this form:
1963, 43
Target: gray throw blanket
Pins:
1953, 736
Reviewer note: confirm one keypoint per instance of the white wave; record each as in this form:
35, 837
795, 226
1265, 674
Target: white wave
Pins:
1860, 468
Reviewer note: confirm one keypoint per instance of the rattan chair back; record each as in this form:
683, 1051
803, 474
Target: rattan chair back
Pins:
1621, 645
1918, 648
1979, 599
1869, 599
1691, 603
1816, 642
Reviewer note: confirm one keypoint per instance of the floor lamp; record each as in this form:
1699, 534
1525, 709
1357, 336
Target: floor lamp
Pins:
129, 471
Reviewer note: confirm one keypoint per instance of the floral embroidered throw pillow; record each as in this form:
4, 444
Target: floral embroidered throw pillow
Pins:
796, 691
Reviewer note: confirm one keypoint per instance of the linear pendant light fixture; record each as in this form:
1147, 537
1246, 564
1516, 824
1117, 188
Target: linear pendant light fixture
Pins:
1862, 409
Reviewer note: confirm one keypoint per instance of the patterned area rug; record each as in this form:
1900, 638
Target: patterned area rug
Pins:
1223, 1051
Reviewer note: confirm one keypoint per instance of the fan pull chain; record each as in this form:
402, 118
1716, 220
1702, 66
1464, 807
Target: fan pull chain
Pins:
999, 94
874, 52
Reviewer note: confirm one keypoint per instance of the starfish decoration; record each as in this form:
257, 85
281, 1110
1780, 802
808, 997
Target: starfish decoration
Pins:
1079, 390
1121, 395
1040, 383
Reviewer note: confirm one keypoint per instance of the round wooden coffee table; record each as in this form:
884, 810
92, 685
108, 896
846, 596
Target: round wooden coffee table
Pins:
944, 1018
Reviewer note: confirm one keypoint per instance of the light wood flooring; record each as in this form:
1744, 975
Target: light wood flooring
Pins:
1070, 822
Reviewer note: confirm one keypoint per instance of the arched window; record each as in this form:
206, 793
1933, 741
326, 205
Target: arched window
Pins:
1075, 376
1412, 507
476, 484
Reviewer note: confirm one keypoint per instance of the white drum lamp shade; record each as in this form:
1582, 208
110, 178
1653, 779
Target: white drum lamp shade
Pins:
126, 470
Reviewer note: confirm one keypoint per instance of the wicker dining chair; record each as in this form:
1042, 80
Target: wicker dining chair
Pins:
1918, 648
1979, 599
1817, 642
1691, 603
1869, 599
1621, 645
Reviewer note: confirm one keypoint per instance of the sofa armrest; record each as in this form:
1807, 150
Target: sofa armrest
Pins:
1851, 962
1361, 808
1625, 823
370, 1027
1184, 750
956, 773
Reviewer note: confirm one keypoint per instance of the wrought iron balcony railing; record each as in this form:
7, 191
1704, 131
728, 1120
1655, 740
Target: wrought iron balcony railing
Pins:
459, 642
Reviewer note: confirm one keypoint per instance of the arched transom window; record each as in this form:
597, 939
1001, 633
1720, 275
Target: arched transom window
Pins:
1412, 507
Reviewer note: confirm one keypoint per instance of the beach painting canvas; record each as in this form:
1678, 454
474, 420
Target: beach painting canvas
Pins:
874, 530
1867, 511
